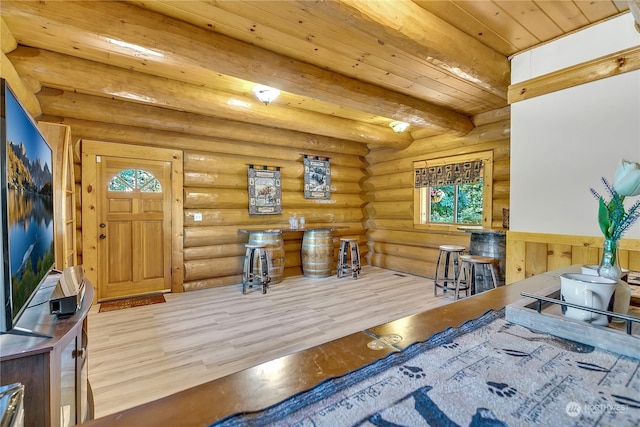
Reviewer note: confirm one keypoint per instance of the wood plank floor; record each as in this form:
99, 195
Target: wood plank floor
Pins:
140, 354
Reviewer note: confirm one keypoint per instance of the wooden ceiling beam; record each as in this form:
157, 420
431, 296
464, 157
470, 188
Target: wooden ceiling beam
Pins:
73, 105
68, 73
7, 41
180, 48
418, 32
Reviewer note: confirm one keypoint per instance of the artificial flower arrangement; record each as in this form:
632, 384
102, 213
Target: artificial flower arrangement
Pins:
436, 195
613, 219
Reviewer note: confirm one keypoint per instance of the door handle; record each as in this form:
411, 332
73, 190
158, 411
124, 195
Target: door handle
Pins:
103, 236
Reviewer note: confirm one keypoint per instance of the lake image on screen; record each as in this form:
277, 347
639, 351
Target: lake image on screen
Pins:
30, 243
29, 209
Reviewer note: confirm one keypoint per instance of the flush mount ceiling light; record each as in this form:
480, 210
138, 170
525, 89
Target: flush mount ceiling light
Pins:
399, 126
265, 94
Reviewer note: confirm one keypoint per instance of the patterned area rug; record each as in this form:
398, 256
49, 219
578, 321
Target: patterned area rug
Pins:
488, 372
131, 302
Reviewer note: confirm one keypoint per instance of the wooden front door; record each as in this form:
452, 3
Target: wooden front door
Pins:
132, 234
133, 210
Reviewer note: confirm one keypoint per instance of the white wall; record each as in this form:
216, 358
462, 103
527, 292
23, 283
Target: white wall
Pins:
564, 142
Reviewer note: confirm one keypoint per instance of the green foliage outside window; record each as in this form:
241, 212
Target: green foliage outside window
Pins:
462, 202
132, 179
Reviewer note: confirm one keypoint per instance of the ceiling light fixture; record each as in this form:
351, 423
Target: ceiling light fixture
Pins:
399, 126
265, 94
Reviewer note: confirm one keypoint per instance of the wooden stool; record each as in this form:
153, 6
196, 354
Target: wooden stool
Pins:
348, 246
448, 281
255, 254
468, 268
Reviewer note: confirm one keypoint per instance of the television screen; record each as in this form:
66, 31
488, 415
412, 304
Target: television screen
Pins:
27, 192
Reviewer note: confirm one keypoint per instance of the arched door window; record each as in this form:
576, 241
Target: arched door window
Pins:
135, 179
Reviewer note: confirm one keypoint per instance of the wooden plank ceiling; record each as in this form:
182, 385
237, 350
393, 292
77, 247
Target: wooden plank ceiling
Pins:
346, 68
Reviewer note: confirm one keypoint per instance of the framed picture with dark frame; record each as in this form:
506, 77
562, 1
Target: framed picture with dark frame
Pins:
265, 193
317, 178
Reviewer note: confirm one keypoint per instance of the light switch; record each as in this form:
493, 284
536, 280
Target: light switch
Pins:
197, 216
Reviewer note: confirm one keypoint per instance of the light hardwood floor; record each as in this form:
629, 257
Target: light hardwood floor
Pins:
140, 354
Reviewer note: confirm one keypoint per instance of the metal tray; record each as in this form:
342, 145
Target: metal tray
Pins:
542, 312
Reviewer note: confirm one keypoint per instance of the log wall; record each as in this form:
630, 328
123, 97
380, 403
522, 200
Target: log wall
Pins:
216, 160
393, 241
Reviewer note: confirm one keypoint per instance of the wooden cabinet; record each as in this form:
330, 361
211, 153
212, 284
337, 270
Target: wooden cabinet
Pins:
53, 370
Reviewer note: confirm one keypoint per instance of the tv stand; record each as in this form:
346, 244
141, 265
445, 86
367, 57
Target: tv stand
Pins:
51, 363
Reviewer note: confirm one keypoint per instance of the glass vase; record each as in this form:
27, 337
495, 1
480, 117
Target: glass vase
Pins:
610, 265
610, 268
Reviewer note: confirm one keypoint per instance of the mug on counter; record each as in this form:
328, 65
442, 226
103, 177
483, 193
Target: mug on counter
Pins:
588, 291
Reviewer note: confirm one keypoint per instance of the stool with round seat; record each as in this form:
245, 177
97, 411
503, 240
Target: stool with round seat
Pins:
256, 267
349, 249
448, 280
469, 270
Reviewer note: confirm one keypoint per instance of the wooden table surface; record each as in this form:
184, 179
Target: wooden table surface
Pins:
274, 381
289, 230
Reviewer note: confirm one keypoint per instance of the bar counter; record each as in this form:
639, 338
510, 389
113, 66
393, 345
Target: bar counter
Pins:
266, 384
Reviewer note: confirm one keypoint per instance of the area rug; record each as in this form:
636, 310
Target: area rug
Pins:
488, 372
131, 302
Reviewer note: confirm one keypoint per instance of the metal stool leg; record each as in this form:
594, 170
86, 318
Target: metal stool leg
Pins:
265, 279
342, 258
435, 281
248, 273
464, 276
355, 259
456, 266
445, 279
492, 268
463, 269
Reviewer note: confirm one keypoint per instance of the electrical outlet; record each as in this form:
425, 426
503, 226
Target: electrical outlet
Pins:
197, 216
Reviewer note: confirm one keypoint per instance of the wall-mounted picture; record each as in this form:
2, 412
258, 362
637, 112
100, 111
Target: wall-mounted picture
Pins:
317, 178
265, 194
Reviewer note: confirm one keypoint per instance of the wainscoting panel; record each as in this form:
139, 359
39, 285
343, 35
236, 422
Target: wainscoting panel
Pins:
529, 254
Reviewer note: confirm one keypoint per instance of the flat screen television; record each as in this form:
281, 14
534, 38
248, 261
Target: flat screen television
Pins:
26, 210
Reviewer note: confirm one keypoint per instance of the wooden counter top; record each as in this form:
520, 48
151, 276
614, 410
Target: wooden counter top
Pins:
473, 229
287, 230
274, 381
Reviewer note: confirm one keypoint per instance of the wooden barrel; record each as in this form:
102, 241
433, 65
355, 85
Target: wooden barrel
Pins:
317, 253
274, 245
491, 244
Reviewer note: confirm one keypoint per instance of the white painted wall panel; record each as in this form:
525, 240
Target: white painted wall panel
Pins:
610, 36
564, 142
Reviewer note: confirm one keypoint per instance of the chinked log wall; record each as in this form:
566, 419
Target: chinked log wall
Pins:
393, 241
215, 181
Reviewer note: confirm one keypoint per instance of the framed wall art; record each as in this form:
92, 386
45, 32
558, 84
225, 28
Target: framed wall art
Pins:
317, 178
265, 193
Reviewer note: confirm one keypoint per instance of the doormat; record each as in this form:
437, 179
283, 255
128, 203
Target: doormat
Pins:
131, 302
